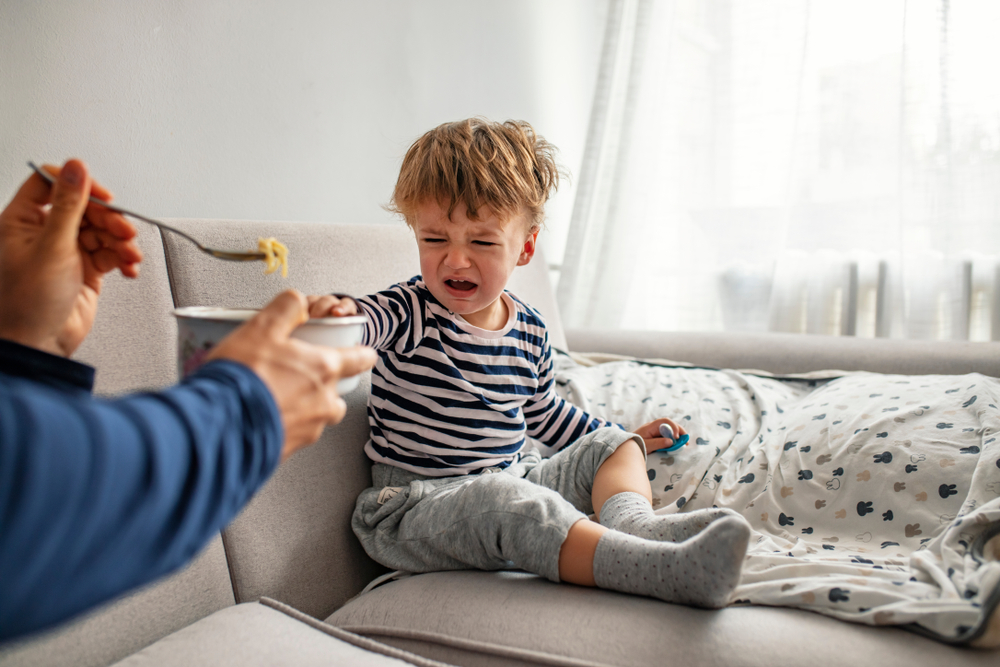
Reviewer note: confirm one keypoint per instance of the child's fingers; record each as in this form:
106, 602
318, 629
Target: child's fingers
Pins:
677, 428
656, 444
344, 308
321, 306
328, 305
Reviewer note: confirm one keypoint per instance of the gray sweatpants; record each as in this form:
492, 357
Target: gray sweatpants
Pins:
517, 517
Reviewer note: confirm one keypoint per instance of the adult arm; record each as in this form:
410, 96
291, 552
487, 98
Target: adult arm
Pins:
98, 497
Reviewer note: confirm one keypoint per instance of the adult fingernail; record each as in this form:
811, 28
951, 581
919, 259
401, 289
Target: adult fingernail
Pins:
72, 173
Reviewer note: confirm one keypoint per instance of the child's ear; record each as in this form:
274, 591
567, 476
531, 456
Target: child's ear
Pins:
528, 251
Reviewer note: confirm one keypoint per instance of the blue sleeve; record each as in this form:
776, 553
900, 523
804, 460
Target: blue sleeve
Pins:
100, 496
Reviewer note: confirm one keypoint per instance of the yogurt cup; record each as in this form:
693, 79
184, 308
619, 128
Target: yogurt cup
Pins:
200, 328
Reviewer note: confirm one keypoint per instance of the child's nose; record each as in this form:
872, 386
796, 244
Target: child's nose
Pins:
457, 258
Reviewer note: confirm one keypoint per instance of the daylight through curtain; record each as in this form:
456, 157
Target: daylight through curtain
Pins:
823, 166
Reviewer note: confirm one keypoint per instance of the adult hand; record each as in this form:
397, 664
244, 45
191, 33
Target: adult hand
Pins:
302, 377
329, 305
55, 248
650, 434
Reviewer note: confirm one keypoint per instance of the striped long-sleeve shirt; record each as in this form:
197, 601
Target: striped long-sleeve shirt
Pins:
449, 398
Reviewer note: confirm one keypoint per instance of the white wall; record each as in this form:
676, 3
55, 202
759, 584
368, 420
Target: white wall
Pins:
282, 110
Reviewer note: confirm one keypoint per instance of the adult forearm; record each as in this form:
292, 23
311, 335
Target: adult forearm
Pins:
127, 490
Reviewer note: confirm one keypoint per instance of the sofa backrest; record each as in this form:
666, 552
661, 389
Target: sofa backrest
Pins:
134, 340
293, 542
133, 347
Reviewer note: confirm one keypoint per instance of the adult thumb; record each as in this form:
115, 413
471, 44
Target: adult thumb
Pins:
285, 312
69, 201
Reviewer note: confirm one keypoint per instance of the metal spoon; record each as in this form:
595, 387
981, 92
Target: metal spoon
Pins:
221, 254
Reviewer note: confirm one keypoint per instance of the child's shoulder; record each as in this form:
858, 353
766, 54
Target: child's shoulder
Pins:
526, 313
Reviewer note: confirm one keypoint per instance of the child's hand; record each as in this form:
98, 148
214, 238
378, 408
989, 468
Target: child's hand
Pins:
327, 305
652, 437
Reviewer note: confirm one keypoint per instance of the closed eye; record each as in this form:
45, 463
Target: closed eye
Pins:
433, 240
486, 243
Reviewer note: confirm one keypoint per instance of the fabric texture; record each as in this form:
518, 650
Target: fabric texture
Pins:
514, 618
109, 479
268, 634
701, 571
123, 626
631, 513
133, 343
871, 496
450, 398
516, 517
27, 362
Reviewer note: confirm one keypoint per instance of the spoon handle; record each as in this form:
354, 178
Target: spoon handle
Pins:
221, 254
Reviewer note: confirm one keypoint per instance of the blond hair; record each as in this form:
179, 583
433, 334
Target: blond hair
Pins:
502, 166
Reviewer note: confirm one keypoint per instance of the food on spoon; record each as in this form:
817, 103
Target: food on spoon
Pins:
275, 255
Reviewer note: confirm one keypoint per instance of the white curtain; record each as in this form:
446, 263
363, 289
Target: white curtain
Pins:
820, 166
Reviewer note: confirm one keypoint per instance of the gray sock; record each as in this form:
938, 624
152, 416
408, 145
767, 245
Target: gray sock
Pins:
631, 513
702, 571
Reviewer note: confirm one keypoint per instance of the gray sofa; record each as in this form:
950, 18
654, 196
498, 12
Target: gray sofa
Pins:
281, 584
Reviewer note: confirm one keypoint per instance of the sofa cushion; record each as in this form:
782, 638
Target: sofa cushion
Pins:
258, 634
138, 619
293, 542
506, 618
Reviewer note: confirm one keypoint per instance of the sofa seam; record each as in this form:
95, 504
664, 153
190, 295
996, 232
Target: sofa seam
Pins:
365, 643
486, 648
170, 273
229, 566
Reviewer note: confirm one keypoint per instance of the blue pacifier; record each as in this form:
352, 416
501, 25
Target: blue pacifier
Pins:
668, 432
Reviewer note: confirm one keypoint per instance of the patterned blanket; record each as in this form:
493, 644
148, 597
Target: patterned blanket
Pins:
873, 498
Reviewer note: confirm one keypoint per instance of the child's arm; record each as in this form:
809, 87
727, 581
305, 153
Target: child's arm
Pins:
391, 314
551, 419
558, 423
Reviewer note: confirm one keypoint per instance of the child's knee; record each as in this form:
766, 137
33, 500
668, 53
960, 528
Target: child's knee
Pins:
605, 442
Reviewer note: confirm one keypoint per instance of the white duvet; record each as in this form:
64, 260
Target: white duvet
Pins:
871, 496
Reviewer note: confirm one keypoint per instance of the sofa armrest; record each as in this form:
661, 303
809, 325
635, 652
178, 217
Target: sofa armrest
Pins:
794, 353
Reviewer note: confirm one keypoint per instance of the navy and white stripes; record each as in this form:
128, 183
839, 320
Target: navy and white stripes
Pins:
449, 398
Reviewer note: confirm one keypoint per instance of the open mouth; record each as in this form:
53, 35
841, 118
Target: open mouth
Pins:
460, 285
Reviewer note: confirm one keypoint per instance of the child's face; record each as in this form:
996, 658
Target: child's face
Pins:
466, 263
